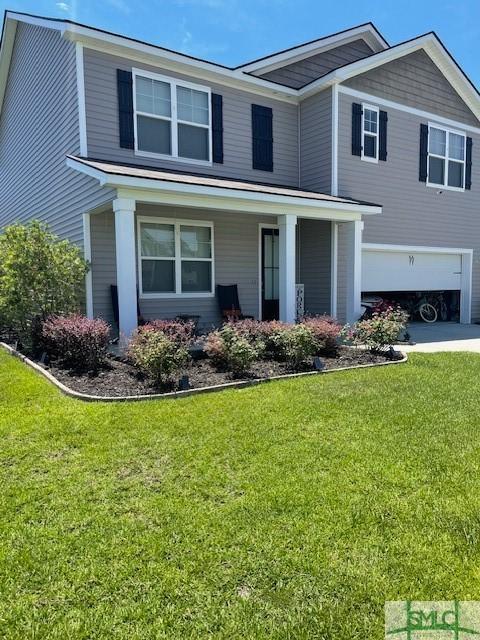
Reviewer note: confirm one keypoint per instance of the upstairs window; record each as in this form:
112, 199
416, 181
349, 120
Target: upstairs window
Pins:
446, 158
172, 118
370, 133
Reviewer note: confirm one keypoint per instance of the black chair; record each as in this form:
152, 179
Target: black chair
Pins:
114, 296
229, 303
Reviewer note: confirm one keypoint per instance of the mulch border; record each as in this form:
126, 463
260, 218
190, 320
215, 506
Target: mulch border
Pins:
180, 394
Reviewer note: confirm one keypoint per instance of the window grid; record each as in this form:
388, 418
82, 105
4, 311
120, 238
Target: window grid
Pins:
177, 258
446, 158
173, 119
367, 133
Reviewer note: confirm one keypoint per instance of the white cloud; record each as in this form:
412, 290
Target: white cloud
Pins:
63, 6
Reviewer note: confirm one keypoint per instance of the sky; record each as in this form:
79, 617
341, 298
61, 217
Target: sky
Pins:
233, 32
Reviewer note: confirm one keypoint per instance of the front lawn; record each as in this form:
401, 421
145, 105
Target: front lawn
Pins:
289, 510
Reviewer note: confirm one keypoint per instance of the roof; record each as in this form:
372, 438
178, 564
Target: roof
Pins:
113, 173
241, 77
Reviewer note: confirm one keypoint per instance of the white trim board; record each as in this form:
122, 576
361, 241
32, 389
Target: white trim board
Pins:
87, 254
361, 95
82, 113
334, 169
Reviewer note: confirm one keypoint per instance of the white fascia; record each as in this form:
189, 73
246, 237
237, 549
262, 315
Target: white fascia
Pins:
295, 54
156, 191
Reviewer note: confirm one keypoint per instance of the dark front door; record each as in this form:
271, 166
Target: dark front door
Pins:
269, 274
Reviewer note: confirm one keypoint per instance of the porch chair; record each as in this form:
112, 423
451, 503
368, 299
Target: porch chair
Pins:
114, 296
229, 303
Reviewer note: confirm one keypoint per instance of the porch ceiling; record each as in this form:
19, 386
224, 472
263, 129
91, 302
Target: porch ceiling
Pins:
160, 186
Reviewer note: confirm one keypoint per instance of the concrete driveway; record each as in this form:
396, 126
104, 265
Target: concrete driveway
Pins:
443, 336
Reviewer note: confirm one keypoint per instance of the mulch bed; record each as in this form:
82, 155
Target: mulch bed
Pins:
118, 378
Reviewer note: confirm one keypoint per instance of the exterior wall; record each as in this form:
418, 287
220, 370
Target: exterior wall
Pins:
236, 250
38, 128
103, 137
415, 81
316, 142
314, 248
413, 214
300, 73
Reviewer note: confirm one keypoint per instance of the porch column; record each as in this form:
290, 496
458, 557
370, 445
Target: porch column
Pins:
287, 225
126, 270
354, 269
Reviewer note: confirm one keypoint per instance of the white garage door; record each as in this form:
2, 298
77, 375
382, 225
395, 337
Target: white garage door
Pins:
410, 270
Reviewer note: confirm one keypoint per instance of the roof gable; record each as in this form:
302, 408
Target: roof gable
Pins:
298, 74
416, 81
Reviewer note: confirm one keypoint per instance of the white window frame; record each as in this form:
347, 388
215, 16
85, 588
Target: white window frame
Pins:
376, 135
446, 159
173, 119
177, 259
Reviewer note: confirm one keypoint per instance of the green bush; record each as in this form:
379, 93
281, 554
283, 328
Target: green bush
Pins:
157, 355
40, 276
230, 350
299, 344
379, 332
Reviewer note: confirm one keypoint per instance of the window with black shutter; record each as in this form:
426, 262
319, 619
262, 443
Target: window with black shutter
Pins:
262, 138
356, 129
217, 128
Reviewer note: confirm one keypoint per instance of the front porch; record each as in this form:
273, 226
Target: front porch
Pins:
172, 246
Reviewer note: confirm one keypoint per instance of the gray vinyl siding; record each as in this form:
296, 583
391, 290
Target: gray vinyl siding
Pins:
316, 142
103, 137
414, 80
314, 247
413, 214
38, 128
298, 74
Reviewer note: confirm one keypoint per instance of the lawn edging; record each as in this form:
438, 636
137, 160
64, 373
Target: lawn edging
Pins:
179, 394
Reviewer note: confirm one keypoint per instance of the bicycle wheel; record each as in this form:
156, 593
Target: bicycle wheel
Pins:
427, 312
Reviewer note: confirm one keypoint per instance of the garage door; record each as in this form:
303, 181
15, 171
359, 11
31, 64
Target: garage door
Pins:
410, 270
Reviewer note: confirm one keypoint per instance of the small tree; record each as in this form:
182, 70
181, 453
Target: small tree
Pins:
40, 276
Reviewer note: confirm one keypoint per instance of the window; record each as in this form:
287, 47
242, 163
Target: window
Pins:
172, 118
446, 158
370, 133
175, 257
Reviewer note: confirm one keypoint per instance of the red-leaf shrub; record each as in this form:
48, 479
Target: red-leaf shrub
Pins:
180, 331
78, 342
266, 336
326, 332
230, 350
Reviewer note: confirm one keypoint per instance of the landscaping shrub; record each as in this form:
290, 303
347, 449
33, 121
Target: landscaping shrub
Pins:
180, 331
40, 276
157, 355
381, 331
326, 332
298, 344
78, 342
230, 350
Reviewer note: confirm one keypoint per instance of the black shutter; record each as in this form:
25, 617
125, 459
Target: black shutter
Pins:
382, 141
423, 169
125, 108
217, 128
262, 138
356, 129
468, 164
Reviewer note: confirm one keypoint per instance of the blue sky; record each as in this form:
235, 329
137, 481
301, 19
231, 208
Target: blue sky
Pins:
235, 31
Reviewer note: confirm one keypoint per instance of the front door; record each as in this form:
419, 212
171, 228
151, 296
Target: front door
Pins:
269, 274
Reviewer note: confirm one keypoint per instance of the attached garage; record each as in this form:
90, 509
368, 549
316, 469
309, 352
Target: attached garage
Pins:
408, 268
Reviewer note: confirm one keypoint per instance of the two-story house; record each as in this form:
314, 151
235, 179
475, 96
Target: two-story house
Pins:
344, 165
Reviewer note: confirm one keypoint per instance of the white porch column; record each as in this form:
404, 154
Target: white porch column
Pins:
126, 265
354, 269
287, 243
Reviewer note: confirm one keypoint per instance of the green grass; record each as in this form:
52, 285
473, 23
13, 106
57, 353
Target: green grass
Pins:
289, 510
